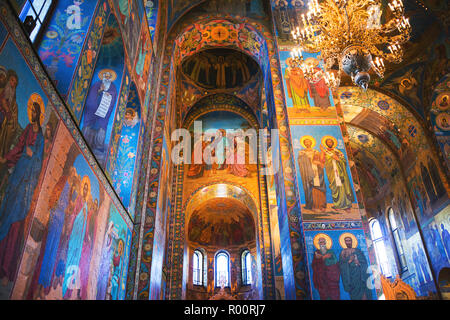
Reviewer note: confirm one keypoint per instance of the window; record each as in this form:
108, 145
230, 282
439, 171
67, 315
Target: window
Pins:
398, 244
380, 249
246, 268
222, 269
197, 268
33, 16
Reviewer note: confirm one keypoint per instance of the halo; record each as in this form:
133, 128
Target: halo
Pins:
35, 97
326, 237
439, 100
345, 235
120, 241
312, 61
439, 119
313, 141
288, 61
133, 111
112, 72
88, 181
325, 138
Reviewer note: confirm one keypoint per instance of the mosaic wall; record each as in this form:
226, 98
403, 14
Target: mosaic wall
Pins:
384, 188
64, 232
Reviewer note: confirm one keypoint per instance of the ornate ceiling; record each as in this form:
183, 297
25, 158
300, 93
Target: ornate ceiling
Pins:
221, 222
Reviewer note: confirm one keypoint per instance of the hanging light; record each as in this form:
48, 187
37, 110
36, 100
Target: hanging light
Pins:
349, 34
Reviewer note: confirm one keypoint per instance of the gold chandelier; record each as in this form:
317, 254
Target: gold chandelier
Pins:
350, 33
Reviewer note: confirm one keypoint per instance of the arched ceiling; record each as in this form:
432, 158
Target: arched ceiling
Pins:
375, 162
221, 222
181, 9
219, 69
387, 119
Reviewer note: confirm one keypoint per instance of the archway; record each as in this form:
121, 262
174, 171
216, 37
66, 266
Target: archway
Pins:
222, 224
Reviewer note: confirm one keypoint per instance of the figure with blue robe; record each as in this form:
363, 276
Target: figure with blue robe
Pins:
55, 229
117, 266
353, 266
100, 104
105, 262
75, 245
25, 160
446, 239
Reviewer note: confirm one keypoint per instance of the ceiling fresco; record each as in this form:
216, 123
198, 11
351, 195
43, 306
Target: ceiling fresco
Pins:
440, 117
426, 57
220, 69
426, 54
402, 131
254, 9
221, 222
375, 162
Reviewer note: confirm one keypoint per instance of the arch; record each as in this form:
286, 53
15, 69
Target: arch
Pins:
410, 126
379, 246
296, 269
246, 267
220, 191
398, 247
219, 33
222, 269
220, 102
198, 267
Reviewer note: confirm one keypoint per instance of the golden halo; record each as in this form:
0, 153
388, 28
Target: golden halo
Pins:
326, 237
83, 182
35, 97
312, 61
325, 138
112, 72
302, 140
440, 98
133, 111
345, 235
439, 120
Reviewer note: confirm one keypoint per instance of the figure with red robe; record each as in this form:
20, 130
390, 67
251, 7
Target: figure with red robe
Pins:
319, 90
326, 272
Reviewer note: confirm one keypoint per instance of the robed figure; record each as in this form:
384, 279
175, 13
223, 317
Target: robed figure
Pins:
353, 266
297, 86
58, 204
319, 90
311, 171
75, 244
100, 103
326, 271
336, 169
26, 161
105, 262
8, 112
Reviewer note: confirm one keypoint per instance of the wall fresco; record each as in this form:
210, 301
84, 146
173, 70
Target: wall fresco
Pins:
63, 40
103, 94
78, 244
338, 262
27, 126
124, 169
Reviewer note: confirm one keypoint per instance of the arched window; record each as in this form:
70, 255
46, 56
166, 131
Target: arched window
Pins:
246, 262
197, 268
222, 269
397, 241
380, 249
